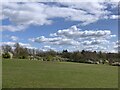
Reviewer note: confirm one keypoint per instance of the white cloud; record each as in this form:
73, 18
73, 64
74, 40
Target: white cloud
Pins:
25, 45
44, 39
13, 43
8, 43
42, 14
75, 37
96, 48
118, 42
12, 28
47, 48
31, 39
112, 35
116, 46
14, 38
59, 1
23, 15
115, 17
28, 13
56, 41
95, 42
74, 32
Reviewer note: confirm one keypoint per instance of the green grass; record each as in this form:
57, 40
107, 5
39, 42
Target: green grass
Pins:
37, 74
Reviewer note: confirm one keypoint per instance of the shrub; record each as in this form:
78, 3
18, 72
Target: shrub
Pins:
6, 55
22, 57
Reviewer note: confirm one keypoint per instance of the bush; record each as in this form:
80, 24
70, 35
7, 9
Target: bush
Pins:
49, 58
22, 57
6, 55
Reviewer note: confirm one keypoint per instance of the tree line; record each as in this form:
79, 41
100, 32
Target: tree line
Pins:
76, 56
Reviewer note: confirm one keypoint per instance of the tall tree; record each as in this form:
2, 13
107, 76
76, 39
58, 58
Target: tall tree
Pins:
20, 52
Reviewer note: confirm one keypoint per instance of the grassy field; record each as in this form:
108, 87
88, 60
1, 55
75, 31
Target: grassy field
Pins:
36, 74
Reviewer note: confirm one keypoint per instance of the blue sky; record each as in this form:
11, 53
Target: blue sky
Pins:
62, 25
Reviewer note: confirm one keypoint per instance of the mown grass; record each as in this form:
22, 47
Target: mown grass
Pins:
38, 74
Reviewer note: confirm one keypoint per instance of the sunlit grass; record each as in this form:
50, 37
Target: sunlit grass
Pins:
38, 74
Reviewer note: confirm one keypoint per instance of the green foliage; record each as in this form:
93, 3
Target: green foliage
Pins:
76, 56
6, 55
22, 57
49, 58
20, 52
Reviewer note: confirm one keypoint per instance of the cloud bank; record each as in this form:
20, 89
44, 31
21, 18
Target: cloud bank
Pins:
23, 15
79, 39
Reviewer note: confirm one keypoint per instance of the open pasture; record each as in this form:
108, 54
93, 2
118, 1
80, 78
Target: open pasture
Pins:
41, 74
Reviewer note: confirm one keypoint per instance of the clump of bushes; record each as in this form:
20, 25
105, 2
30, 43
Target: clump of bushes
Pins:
22, 57
5, 55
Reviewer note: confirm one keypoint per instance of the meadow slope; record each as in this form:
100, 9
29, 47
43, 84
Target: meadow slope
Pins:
38, 74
